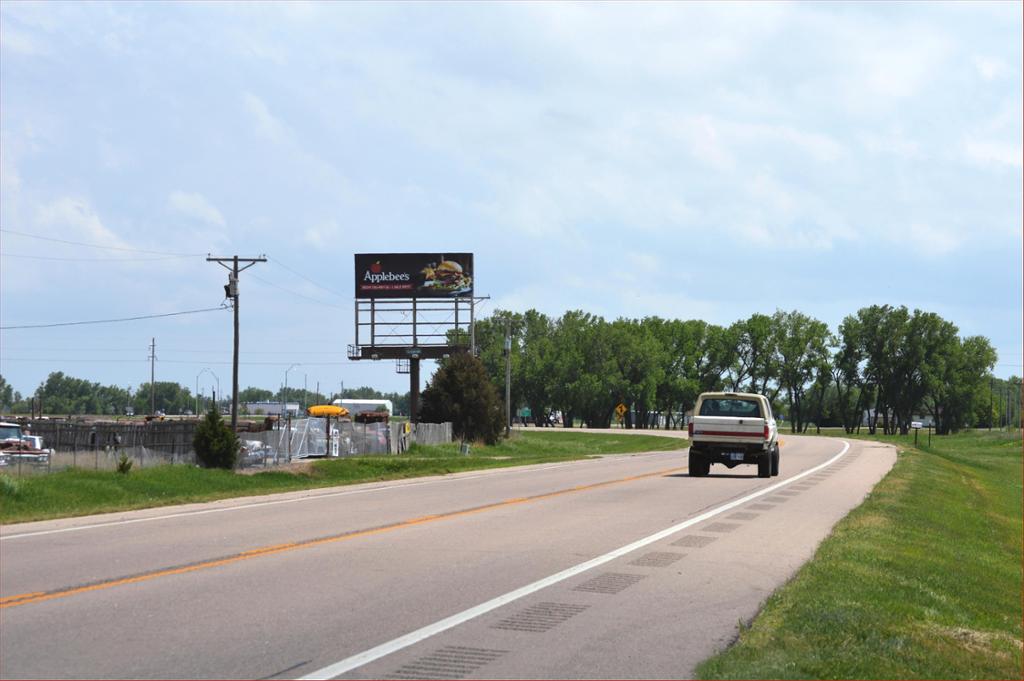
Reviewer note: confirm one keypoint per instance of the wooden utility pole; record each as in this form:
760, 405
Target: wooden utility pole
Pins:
508, 377
231, 291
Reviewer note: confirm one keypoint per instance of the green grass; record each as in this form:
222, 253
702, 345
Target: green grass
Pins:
82, 492
923, 580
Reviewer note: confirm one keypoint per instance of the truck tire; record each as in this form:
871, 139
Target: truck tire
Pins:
699, 466
775, 461
764, 465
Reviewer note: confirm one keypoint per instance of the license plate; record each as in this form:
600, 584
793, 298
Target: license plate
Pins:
736, 456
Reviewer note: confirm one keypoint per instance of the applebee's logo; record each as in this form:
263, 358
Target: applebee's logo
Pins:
376, 275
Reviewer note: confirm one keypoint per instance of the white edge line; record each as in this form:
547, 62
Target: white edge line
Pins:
394, 645
308, 497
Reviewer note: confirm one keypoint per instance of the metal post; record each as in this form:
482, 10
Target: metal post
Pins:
990, 404
414, 390
373, 322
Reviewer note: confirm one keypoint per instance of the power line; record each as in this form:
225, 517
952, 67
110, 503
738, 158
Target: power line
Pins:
299, 274
111, 321
109, 248
295, 293
174, 361
36, 348
48, 257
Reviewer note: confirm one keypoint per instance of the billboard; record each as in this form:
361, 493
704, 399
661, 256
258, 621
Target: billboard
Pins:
414, 275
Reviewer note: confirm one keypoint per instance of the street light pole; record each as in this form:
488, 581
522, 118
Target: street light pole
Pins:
218, 390
203, 371
284, 394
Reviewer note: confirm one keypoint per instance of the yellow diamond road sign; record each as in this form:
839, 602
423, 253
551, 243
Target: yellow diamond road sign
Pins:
621, 410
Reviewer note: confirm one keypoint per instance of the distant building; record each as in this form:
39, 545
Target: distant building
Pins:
271, 408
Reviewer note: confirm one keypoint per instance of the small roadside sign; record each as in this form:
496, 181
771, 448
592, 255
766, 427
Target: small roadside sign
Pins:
621, 410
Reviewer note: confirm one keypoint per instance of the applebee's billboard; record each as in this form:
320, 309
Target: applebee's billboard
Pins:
414, 275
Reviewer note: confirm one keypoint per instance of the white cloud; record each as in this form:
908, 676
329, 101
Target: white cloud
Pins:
323, 235
196, 206
18, 42
267, 124
990, 68
988, 152
893, 143
931, 240
76, 218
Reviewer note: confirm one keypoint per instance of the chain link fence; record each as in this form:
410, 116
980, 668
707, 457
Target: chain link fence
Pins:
101, 446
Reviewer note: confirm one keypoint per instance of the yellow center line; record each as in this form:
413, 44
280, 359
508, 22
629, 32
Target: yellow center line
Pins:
10, 599
41, 596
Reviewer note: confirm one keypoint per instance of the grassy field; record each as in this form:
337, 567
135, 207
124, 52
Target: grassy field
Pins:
81, 492
921, 581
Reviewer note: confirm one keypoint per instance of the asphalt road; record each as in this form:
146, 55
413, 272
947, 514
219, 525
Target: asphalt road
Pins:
618, 567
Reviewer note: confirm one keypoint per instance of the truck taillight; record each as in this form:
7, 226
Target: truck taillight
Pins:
689, 429
766, 431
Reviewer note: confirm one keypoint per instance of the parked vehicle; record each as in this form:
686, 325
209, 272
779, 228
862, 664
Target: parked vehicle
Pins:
733, 428
10, 436
17, 448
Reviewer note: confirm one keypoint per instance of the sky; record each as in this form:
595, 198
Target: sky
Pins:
682, 160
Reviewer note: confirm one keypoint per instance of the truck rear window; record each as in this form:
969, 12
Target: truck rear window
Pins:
730, 407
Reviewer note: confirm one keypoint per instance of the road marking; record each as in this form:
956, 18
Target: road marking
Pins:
39, 597
413, 637
314, 497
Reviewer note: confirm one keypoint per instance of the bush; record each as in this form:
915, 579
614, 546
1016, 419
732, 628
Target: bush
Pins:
215, 443
461, 392
124, 464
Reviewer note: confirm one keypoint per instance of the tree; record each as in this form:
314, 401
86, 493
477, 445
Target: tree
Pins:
171, 398
957, 383
802, 346
851, 391
756, 355
461, 392
639, 359
251, 394
7, 395
216, 445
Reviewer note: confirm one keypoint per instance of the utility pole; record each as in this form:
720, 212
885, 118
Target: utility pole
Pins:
508, 377
231, 291
152, 378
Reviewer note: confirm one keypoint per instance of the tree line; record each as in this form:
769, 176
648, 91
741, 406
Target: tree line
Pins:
890, 363
61, 394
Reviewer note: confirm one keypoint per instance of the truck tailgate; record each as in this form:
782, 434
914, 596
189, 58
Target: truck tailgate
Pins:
728, 430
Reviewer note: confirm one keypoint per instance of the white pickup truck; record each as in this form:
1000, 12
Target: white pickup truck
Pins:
733, 428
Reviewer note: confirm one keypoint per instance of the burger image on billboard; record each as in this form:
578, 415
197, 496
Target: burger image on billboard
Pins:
413, 275
447, 277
